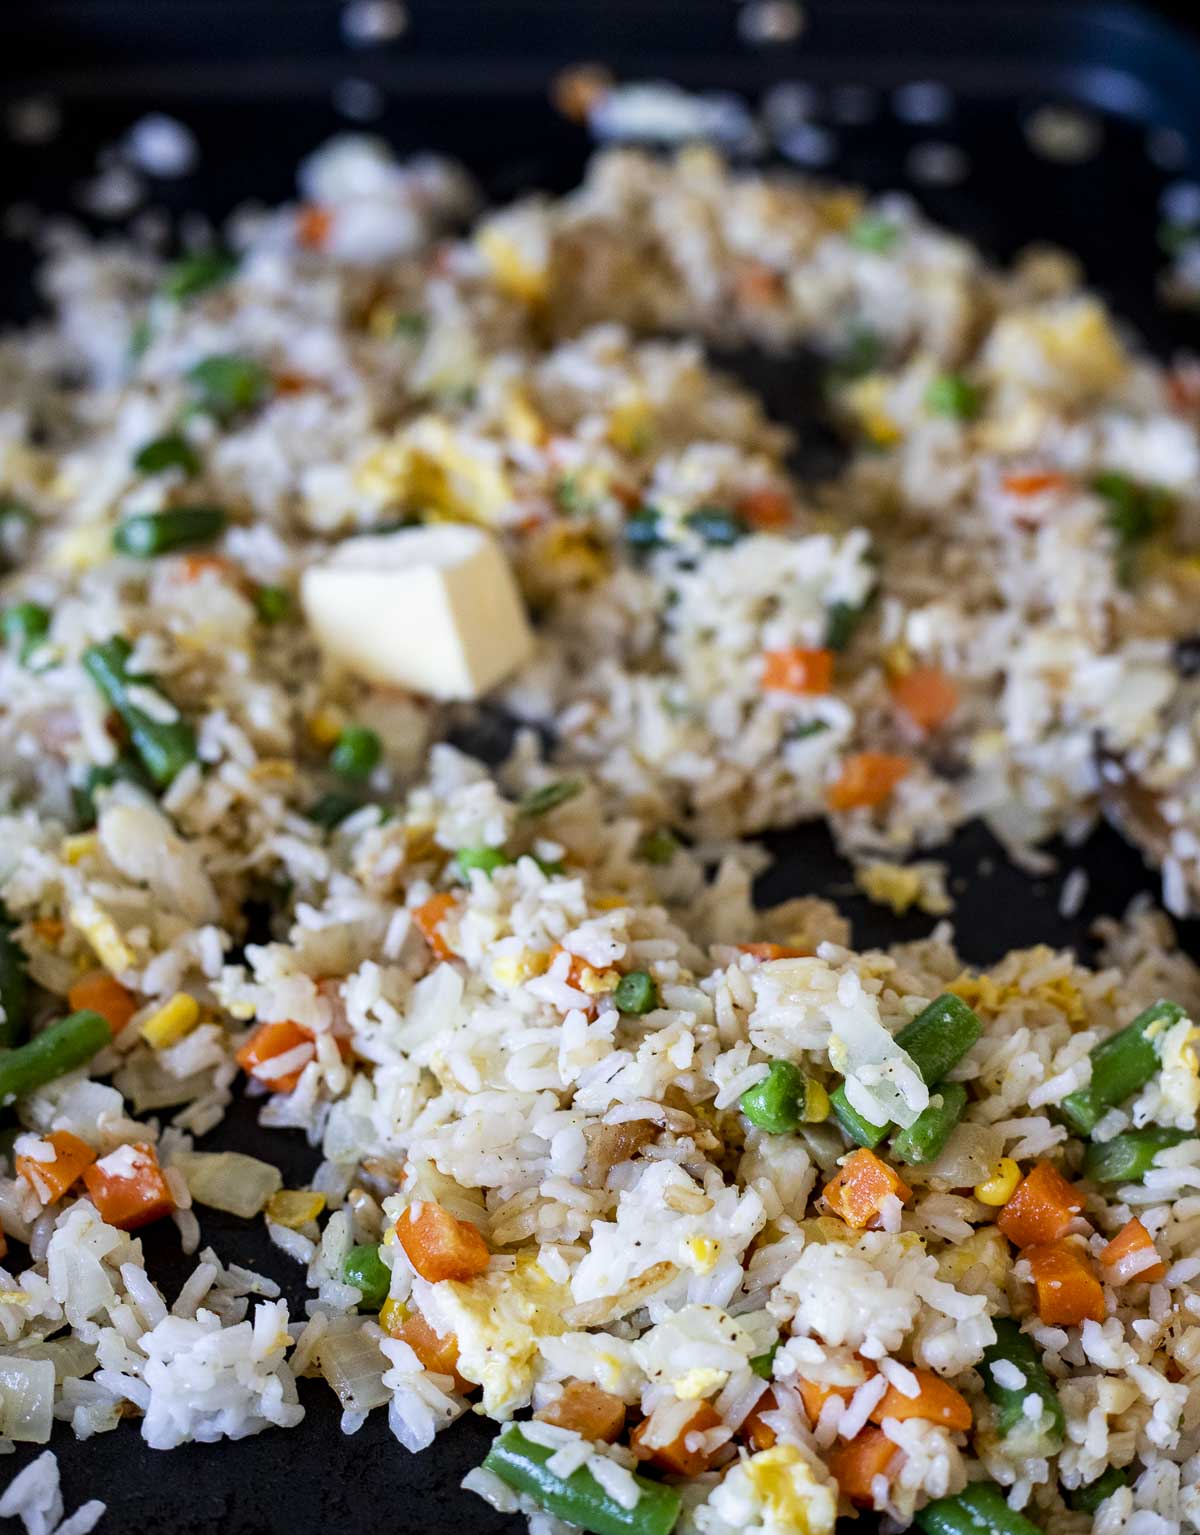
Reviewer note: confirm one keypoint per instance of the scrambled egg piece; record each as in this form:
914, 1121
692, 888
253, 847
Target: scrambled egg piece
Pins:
429, 467
1063, 349
986, 995
901, 886
497, 1320
776, 1492
518, 253
867, 401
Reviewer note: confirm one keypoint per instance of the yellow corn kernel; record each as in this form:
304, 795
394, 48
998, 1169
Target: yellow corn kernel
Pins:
897, 660
705, 1251
392, 1316
172, 1021
76, 849
816, 1104
294, 1208
998, 1189
324, 726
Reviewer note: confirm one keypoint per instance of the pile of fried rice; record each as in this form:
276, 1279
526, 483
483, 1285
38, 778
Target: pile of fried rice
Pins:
595, 1136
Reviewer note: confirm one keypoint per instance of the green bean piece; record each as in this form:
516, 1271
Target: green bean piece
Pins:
636, 992
1086, 1500
489, 859
126, 769
26, 625
1121, 1066
979, 1509
1022, 1434
272, 603
549, 866
69, 1043
719, 527
367, 1272
1128, 1158
763, 1365
197, 273
862, 353
874, 233
549, 797
950, 394
226, 386
356, 752
164, 747
860, 1129
841, 621
643, 529
579, 1498
14, 984
658, 846
178, 527
1132, 511
938, 1038
777, 1104
171, 451
334, 808
925, 1138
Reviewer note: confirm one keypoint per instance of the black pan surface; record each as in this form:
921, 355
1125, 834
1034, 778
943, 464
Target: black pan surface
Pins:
254, 81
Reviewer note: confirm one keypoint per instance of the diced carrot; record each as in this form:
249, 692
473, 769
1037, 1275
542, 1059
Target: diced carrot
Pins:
774, 951
1040, 1208
1068, 1291
439, 1245
766, 508
429, 919
798, 671
855, 1464
128, 1188
587, 1410
857, 1190
867, 779
1034, 482
759, 1435
287, 382
815, 1393
757, 284
1132, 1255
675, 1455
100, 993
926, 695
437, 1352
937, 1402
313, 226
51, 1180
266, 1044
191, 567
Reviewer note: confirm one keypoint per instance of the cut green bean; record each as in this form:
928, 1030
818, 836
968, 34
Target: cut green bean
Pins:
636, 992
777, 1104
1017, 1351
272, 603
69, 1043
643, 529
718, 526
334, 808
198, 273
1121, 1066
1128, 1158
979, 1509
171, 451
579, 1498
938, 1038
14, 985
925, 1138
950, 394
26, 625
164, 747
126, 769
368, 1273
874, 233
489, 859
356, 752
658, 846
861, 1130
763, 1365
226, 385
549, 797
1086, 1500
178, 527
841, 621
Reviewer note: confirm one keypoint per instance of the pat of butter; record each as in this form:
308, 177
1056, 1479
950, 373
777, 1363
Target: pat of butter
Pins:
435, 610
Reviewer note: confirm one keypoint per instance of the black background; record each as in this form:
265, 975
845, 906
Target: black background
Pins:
253, 79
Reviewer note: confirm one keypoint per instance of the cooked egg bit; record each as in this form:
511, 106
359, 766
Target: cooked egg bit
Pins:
435, 610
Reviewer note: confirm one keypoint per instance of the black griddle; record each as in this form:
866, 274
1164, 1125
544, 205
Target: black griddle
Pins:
254, 80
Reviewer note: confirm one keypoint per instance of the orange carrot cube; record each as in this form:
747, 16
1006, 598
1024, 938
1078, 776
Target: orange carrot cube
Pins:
1132, 1255
1068, 1291
866, 781
663, 1438
51, 1180
857, 1190
439, 1245
926, 695
268, 1042
936, 1401
429, 919
128, 1187
855, 1464
588, 1410
798, 671
1040, 1208
98, 992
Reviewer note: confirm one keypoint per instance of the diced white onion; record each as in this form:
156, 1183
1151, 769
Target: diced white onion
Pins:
228, 1180
353, 1365
26, 1399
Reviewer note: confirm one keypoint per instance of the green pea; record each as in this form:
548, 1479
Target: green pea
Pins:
777, 1104
226, 386
874, 233
489, 859
179, 527
197, 273
367, 1271
272, 604
950, 394
26, 625
636, 992
356, 752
